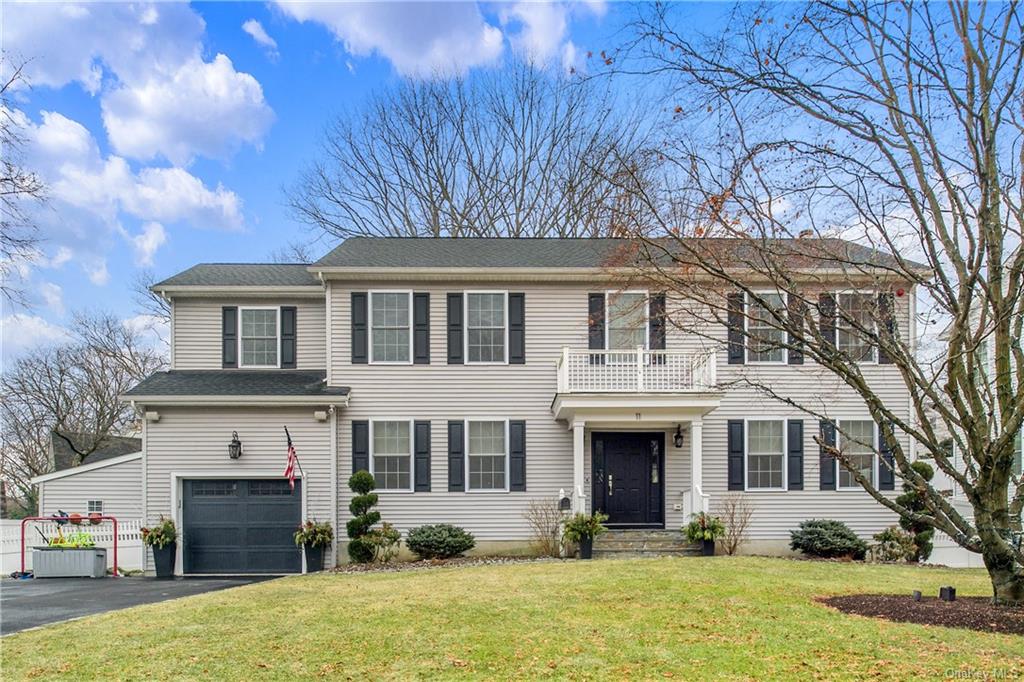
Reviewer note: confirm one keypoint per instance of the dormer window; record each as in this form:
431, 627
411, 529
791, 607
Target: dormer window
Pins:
258, 341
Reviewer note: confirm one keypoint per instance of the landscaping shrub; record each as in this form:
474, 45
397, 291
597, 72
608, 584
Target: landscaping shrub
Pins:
439, 541
828, 539
894, 544
545, 518
923, 534
360, 549
384, 542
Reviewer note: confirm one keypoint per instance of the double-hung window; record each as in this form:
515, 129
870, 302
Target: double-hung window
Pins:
487, 455
855, 311
486, 326
390, 315
259, 338
391, 454
764, 337
1018, 465
856, 441
627, 320
766, 454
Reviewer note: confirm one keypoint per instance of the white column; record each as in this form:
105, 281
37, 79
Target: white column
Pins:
696, 466
579, 500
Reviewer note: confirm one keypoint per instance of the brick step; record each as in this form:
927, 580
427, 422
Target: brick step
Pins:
631, 543
634, 553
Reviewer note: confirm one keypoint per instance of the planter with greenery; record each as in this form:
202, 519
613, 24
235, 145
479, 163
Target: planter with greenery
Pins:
360, 548
163, 538
705, 529
314, 537
827, 539
439, 541
581, 530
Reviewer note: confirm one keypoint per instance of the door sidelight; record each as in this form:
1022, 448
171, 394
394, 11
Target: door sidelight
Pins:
610, 493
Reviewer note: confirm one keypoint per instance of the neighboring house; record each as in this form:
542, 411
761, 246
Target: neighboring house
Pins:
108, 482
472, 376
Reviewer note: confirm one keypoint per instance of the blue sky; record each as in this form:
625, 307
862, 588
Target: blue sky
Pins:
167, 132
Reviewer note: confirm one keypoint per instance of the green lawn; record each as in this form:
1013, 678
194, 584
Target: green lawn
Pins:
656, 618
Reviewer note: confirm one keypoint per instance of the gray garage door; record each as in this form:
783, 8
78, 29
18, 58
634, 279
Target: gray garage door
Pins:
241, 526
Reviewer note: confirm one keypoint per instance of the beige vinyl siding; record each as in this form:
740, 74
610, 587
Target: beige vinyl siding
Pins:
193, 442
197, 331
118, 486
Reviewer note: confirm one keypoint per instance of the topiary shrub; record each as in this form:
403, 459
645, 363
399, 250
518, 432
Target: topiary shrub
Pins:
439, 541
923, 534
360, 549
828, 539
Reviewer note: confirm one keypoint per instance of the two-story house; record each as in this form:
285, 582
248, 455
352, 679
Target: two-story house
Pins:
471, 376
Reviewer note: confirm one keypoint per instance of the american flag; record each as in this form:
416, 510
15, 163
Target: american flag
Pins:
289, 470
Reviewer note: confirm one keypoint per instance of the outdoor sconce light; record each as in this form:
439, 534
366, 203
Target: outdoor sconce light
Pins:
678, 438
235, 446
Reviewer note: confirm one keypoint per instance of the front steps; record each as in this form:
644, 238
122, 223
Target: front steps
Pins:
621, 544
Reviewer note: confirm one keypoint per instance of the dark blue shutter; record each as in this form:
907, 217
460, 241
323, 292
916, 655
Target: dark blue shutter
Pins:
289, 324
796, 310
886, 474
421, 452
517, 329
229, 337
827, 318
595, 327
517, 455
360, 355
887, 325
456, 457
421, 328
360, 446
826, 462
455, 331
734, 322
657, 322
735, 454
795, 454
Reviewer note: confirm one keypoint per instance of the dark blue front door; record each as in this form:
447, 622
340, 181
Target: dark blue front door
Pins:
627, 476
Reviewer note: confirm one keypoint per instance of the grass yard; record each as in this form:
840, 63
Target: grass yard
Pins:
654, 618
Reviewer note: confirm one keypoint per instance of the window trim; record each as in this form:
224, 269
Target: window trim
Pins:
746, 456
784, 360
412, 457
873, 360
874, 453
465, 446
277, 309
465, 330
608, 318
369, 326
90, 510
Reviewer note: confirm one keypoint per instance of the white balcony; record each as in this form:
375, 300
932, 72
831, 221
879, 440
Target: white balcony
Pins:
635, 371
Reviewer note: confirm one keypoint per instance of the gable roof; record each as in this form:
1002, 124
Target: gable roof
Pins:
294, 385
243, 275
63, 456
88, 466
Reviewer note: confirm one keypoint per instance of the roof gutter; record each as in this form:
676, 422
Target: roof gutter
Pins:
241, 290
240, 400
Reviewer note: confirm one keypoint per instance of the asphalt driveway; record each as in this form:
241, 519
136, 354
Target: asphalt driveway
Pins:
31, 603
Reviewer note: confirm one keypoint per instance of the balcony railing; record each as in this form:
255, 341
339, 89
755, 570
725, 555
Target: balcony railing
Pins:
635, 371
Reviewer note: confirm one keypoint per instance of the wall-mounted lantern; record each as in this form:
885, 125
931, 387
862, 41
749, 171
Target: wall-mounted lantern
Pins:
235, 446
677, 439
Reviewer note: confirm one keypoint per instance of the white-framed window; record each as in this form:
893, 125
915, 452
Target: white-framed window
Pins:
486, 327
856, 439
859, 306
258, 340
391, 454
626, 325
1018, 464
487, 455
391, 327
94, 506
766, 454
764, 337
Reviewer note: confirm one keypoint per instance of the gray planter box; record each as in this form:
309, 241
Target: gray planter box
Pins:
60, 562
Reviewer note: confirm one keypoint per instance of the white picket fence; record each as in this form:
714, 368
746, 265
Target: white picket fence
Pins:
129, 541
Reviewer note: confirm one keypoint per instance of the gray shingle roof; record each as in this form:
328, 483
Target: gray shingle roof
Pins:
111, 446
421, 252
244, 275
300, 383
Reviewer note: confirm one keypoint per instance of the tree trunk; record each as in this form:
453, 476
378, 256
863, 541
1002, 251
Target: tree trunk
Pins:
1006, 574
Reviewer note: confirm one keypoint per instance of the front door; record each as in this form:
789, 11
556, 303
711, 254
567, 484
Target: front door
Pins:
627, 476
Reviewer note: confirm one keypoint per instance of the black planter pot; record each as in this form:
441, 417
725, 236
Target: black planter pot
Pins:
314, 558
163, 559
707, 547
586, 548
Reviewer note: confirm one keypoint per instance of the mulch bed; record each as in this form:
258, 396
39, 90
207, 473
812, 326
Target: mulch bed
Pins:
974, 613
425, 564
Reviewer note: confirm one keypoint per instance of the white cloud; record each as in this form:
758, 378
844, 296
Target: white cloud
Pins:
262, 38
539, 29
22, 332
53, 296
96, 270
147, 242
418, 38
58, 259
154, 330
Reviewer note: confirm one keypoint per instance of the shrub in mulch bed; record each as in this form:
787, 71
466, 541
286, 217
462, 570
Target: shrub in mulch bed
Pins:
974, 613
457, 562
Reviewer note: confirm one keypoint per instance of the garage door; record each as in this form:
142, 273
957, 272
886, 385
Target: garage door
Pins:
240, 526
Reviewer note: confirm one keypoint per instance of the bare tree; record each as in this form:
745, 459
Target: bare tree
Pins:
545, 519
736, 512
897, 126
294, 252
19, 238
519, 152
70, 390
